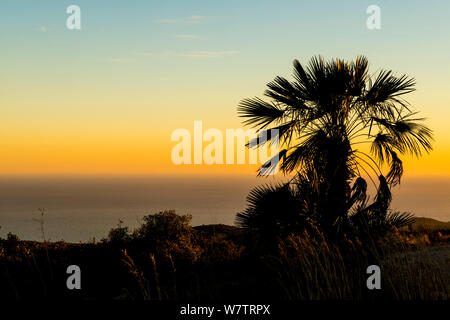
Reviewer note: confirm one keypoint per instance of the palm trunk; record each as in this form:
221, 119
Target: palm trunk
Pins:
336, 188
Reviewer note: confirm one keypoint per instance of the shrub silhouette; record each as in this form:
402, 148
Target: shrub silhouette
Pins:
119, 236
165, 234
165, 225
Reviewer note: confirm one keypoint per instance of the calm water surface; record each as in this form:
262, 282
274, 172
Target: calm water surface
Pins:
83, 208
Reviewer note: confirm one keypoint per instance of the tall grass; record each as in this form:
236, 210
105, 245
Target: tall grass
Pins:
216, 263
310, 267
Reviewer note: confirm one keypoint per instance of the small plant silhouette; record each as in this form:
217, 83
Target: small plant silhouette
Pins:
41, 221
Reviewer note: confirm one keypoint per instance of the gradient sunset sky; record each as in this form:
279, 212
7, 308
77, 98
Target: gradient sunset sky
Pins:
106, 98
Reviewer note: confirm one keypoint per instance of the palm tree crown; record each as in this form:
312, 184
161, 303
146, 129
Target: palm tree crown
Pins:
326, 115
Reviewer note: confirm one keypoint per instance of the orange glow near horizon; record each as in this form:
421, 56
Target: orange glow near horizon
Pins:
47, 156
105, 99
46, 133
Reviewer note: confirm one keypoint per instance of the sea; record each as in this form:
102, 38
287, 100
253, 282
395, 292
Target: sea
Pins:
80, 208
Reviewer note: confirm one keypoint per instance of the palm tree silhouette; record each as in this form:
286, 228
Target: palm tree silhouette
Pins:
324, 118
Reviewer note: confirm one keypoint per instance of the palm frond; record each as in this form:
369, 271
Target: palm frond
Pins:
259, 112
283, 133
359, 72
400, 219
381, 145
396, 169
269, 167
283, 91
359, 191
407, 135
383, 197
388, 87
297, 156
270, 209
303, 82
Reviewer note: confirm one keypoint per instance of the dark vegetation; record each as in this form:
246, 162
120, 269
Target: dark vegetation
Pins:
336, 125
312, 237
167, 259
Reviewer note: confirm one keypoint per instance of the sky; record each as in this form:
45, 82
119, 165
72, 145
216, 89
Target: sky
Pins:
106, 98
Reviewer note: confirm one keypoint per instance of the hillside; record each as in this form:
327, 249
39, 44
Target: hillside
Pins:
422, 223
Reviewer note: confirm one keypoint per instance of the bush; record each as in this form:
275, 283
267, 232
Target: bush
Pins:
12, 239
118, 236
165, 225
